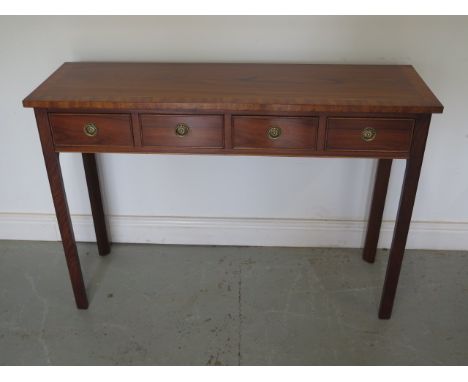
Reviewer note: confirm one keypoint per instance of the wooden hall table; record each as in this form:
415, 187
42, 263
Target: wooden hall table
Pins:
378, 111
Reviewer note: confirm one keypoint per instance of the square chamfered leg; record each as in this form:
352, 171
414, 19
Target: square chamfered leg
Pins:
94, 191
405, 210
377, 208
54, 173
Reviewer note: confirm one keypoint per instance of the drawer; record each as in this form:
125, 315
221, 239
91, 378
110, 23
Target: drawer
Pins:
91, 129
203, 131
369, 134
251, 132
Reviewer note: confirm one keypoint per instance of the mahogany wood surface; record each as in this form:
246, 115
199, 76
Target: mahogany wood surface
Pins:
296, 132
403, 220
377, 208
391, 134
97, 210
59, 198
274, 87
113, 129
322, 110
203, 130
338, 135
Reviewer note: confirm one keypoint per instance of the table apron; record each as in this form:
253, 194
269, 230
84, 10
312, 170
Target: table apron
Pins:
369, 135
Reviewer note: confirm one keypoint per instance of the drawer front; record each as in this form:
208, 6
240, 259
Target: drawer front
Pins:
203, 131
91, 129
369, 134
275, 132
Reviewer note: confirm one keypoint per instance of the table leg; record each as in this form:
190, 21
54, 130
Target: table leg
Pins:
94, 191
405, 210
377, 208
54, 173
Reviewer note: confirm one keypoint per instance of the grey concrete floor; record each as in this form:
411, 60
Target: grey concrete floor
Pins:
195, 305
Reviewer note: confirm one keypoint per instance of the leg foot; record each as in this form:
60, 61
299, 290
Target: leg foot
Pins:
54, 173
405, 210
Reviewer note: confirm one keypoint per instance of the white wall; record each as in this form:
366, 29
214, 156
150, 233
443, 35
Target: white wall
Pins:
287, 201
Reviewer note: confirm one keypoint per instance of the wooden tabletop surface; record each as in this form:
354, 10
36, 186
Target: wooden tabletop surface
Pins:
236, 87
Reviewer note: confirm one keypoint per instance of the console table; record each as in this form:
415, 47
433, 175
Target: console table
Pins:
377, 111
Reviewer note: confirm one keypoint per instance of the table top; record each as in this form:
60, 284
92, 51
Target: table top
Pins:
236, 87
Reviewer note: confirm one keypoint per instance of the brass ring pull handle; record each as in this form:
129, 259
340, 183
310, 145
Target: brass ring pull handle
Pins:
368, 134
181, 129
274, 132
90, 129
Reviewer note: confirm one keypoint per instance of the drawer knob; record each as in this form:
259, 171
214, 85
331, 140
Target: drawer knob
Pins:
368, 134
274, 132
90, 129
181, 129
